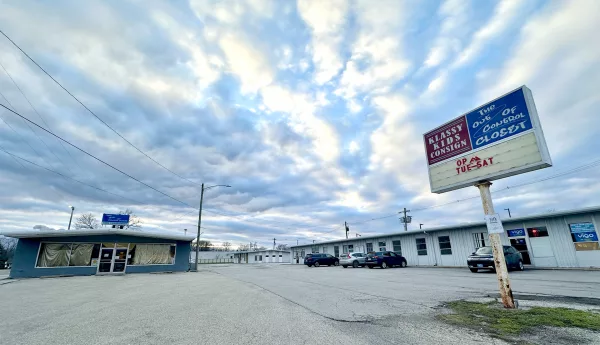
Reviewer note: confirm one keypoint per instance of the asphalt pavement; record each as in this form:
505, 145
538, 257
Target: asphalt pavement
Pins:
268, 304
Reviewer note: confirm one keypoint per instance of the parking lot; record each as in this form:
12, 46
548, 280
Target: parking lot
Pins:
271, 304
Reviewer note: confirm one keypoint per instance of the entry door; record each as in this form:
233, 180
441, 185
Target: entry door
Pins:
112, 260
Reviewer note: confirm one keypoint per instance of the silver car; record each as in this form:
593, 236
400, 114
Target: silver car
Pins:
353, 259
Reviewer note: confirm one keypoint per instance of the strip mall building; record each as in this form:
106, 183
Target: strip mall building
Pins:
558, 239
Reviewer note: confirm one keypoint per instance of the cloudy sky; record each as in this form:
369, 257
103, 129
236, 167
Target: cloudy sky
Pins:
313, 111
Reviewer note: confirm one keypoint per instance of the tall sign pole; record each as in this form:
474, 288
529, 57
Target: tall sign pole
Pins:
495, 228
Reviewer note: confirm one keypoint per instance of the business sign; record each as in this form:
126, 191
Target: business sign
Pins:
115, 219
496, 140
515, 232
494, 225
583, 232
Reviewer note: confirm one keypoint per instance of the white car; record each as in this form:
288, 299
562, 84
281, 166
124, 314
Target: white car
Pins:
353, 259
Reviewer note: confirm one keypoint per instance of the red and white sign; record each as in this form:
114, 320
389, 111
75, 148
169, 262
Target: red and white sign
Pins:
448, 141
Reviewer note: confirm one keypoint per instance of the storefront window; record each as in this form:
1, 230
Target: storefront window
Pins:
68, 254
152, 254
537, 232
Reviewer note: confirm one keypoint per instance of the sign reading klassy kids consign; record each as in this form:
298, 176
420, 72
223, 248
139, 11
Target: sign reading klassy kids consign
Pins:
496, 140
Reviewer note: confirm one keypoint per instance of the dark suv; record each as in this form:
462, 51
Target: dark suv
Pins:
385, 260
321, 259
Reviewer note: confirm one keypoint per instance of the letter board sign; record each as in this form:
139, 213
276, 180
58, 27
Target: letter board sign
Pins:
498, 139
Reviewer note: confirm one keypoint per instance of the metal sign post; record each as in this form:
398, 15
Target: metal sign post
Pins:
494, 230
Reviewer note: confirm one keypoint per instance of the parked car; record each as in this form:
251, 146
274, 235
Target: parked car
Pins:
321, 259
385, 260
353, 259
483, 258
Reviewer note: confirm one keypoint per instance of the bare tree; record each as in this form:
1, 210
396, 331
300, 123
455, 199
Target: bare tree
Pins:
135, 222
243, 247
86, 221
226, 246
282, 247
7, 250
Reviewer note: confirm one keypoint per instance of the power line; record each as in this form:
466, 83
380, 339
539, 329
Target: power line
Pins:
94, 114
96, 158
32, 131
67, 177
39, 115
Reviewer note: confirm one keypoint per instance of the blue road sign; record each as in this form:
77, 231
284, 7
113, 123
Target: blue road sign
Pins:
115, 219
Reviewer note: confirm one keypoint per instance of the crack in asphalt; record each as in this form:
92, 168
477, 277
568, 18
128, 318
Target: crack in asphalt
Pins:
365, 321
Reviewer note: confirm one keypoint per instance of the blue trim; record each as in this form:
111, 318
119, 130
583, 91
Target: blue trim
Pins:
27, 250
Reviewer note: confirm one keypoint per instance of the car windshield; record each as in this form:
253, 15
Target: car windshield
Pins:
484, 251
376, 254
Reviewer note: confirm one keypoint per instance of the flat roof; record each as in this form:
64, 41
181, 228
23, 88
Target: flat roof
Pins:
262, 250
171, 235
462, 225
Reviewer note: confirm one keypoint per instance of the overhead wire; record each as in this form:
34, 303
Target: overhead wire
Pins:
96, 158
93, 113
39, 115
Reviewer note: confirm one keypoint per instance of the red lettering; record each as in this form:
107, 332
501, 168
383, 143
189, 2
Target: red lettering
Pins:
468, 168
485, 163
490, 159
457, 171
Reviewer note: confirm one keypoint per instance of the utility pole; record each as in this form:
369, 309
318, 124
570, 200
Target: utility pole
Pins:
347, 229
199, 224
508, 209
296, 241
497, 249
406, 219
71, 219
421, 226
273, 243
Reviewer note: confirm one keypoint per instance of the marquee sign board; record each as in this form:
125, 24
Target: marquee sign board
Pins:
115, 219
498, 139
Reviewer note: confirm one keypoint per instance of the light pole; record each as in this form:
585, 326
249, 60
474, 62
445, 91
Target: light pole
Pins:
200, 219
421, 226
71, 219
508, 209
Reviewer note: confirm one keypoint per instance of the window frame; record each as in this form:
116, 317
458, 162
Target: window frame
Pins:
37, 258
449, 242
399, 245
424, 243
384, 246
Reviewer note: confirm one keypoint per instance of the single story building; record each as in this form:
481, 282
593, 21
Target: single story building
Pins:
557, 239
212, 256
262, 256
42, 253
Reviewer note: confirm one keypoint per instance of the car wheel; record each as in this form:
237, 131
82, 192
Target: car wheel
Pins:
403, 264
355, 264
384, 265
337, 263
345, 266
317, 264
369, 266
520, 266
474, 270
309, 265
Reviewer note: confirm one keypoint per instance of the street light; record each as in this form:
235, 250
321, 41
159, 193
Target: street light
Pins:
200, 219
508, 209
421, 226
70, 219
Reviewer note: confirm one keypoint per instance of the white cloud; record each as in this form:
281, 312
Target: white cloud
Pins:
454, 14
249, 64
504, 17
377, 61
327, 20
353, 147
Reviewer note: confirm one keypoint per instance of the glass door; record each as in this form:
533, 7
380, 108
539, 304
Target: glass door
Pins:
106, 259
120, 260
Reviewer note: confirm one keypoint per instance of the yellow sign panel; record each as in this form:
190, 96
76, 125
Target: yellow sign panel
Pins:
582, 246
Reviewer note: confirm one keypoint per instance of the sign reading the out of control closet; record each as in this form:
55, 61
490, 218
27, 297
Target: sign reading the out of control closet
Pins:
496, 140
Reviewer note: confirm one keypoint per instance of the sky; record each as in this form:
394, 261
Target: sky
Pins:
313, 111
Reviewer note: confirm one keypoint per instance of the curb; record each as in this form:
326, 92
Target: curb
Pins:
527, 268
